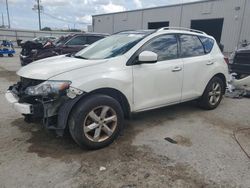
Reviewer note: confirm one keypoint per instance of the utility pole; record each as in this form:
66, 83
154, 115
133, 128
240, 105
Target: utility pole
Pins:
2, 21
39, 15
7, 8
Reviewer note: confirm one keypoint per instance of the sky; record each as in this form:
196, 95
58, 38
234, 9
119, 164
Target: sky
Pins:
64, 14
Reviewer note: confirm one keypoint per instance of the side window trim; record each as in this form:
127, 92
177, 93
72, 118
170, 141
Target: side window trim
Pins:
179, 34
133, 57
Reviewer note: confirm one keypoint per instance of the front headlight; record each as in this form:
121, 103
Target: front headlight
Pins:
48, 87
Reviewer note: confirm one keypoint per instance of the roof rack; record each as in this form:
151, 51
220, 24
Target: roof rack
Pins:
135, 31
181, 28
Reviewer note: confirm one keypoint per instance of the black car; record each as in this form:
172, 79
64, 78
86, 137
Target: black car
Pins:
32, 50
240, 61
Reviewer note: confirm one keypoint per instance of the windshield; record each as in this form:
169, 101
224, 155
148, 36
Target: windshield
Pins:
112, 46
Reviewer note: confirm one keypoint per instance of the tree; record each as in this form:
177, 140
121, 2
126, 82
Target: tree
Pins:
46, 29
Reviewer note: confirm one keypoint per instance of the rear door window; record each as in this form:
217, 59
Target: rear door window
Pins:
191, 46
79, 40
207, 43
92, 39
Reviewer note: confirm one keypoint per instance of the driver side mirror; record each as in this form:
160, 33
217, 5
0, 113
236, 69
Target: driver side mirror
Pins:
147, 57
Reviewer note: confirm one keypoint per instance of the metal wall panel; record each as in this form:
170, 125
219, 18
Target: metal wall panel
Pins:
169, 14
245, 31
181, 15
219, 9
128, 21
104, 24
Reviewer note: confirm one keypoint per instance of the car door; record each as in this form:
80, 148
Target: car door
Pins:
74, 45
160, 83
197, 65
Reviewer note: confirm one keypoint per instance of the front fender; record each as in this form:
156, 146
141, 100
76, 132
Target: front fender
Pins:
64, 112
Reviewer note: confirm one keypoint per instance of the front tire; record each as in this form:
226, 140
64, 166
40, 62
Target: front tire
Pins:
96, 121
213, 94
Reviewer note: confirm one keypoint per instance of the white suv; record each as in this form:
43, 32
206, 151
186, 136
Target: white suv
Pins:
92, 91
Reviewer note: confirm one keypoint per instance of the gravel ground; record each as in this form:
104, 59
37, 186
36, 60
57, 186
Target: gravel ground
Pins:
204, 153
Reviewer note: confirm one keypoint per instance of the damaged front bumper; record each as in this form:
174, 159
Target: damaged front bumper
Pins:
53, 111
23, 108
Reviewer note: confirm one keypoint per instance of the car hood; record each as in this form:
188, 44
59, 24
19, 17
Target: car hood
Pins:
53, 66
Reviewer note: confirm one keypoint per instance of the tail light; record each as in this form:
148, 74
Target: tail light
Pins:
226, 60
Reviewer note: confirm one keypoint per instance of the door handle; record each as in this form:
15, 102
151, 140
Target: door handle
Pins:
210, 63
176, 69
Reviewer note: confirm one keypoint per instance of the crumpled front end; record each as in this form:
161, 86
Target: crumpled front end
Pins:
46, 101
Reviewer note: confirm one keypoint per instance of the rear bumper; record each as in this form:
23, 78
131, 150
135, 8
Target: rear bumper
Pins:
23, 108
240, 69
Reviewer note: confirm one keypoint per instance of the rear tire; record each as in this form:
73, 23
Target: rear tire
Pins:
96, 121
213, 94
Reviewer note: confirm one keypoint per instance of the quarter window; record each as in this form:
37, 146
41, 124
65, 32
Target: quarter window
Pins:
191, 46
164, 46
207, 43
80, 40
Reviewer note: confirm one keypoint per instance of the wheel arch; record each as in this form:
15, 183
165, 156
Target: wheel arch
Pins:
66, 109
117, 95
223, 78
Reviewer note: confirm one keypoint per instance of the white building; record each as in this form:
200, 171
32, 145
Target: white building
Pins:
227, 20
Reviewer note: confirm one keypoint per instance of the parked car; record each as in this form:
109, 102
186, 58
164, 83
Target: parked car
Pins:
34, 50
92, 91
240, 61
44, 39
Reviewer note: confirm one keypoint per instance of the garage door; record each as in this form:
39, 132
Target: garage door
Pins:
210, 26
157, 25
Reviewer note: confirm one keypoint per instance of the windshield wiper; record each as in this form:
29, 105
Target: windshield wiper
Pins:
80, 57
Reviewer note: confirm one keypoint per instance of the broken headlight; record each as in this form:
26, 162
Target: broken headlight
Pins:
48, 87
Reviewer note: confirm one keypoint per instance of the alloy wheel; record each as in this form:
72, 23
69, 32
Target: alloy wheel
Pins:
215, 93
100, 123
